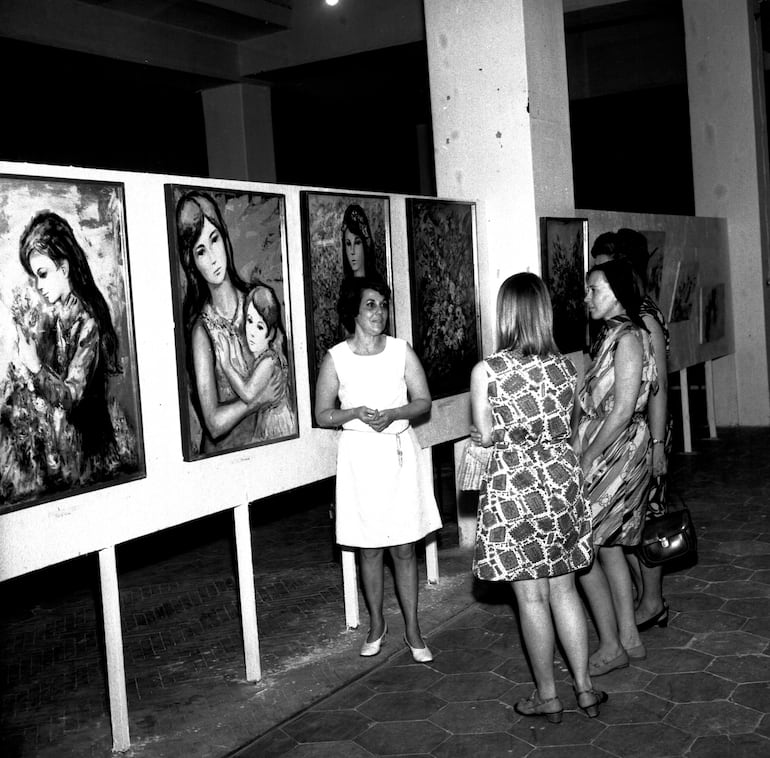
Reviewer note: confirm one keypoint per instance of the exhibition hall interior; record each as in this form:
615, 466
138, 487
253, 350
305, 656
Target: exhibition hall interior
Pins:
170, 580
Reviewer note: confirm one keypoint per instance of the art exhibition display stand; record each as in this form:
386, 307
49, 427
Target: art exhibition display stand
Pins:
174, 491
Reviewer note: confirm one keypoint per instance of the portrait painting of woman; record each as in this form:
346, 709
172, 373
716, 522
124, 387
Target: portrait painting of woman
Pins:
230, 286
344, 237
69, 416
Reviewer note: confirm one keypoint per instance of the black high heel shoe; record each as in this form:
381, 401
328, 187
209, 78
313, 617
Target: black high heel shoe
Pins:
661, 619
591, 709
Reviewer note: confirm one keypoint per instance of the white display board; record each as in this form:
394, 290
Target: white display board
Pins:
175, 491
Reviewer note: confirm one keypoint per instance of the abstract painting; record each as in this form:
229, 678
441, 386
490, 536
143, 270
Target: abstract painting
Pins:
441, 235
656, 241
229, 278
685, 292
331, 225
712, 313
70, 414
564, 262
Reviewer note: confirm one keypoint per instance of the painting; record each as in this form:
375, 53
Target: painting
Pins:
230, 289
656, 241
685, 292
342, 236
441, 236
712, 313
70, 413
564, 261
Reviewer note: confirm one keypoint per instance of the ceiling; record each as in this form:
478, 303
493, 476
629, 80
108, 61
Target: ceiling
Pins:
232, 20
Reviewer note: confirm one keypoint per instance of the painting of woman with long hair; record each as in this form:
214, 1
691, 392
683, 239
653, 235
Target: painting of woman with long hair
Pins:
70, 413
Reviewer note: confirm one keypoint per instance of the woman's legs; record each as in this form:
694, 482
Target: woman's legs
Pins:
570, 621
372, 582
532, 596
615, 567
405, 566
600, 599
649, 582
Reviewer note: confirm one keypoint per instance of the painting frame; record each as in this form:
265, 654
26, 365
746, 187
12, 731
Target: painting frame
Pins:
322, 214
79, 417
254, 223
563, 267
444, 291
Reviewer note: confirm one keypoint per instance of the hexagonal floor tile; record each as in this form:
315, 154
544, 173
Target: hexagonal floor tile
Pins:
402, 706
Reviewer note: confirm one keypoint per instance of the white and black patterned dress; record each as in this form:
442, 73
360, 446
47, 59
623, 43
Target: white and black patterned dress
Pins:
533, 521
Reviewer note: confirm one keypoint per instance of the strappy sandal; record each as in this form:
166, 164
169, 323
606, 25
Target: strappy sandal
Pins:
535, 706
591, 709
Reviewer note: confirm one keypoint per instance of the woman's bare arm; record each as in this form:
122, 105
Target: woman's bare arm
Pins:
627, 365
481, 410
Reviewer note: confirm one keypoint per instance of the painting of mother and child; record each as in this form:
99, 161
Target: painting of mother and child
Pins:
230, 289
70, 418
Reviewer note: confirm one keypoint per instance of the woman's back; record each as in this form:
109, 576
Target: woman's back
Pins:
531, 397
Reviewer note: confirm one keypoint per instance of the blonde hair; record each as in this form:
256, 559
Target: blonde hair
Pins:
525, 316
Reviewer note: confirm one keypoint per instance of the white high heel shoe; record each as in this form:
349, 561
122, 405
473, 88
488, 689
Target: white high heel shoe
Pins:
368, 649
420, 654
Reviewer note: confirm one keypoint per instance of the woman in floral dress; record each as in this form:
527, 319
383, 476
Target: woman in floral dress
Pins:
534, 527
614, 440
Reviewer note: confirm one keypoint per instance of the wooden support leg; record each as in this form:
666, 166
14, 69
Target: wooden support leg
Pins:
350, 588
466, 516
710, 409
431, 558
685, 392
247, 593
431, 546
113, 640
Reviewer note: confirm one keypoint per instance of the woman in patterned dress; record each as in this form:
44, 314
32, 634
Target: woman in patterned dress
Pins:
651, 606
534, 527
614, 440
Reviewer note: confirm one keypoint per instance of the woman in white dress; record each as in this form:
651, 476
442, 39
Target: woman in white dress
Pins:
384, 495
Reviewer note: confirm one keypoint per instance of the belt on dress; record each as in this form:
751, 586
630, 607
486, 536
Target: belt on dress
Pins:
397, 435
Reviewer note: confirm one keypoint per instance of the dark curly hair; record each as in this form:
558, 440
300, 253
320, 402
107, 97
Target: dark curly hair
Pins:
351, 292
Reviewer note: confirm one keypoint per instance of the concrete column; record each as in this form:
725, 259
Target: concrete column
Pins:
500, 106
730, 171
239, 132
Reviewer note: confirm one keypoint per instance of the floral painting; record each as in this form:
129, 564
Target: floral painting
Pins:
235, 360
445, 313
564, 261
70, 417
330, 222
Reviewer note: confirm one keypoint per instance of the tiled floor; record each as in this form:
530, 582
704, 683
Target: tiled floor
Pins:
704, 689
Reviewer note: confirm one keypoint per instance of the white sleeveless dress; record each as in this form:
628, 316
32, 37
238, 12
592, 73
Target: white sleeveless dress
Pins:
384, 490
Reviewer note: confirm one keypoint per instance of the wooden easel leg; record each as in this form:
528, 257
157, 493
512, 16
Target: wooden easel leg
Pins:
113, 642
466, 518
247, 592
685, 392
708, 370
350, 587
431, 558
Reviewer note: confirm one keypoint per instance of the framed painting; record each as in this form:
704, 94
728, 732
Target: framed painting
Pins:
713, 308
343, 236
564, 262
70, 417
230, 290
685, 292
441, 235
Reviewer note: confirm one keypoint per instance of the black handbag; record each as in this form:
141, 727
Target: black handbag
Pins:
668, 537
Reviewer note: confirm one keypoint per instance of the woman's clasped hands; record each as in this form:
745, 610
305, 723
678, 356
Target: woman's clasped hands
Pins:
376, 419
